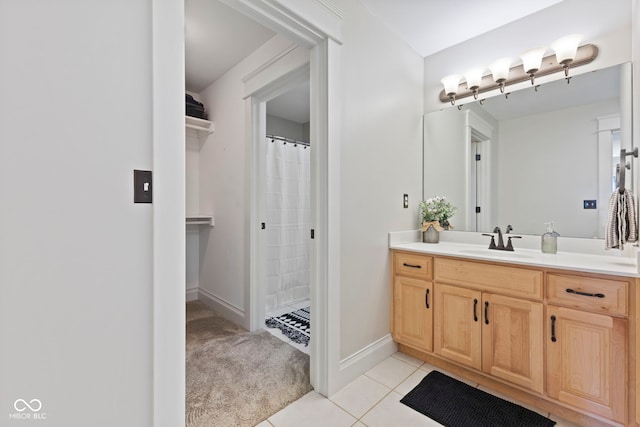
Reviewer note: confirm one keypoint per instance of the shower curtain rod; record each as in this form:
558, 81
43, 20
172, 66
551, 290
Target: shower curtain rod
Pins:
290, 140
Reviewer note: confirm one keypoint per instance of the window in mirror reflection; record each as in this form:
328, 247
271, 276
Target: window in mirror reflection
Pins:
615, 157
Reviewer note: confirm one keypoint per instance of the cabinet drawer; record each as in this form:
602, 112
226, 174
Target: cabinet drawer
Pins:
513, 281
588, 293
413, 265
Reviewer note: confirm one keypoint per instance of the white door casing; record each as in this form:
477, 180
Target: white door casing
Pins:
311, 24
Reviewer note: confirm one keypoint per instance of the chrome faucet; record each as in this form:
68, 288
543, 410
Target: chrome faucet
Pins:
500, 246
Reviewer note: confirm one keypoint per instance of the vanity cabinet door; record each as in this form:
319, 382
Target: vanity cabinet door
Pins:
412, 311
512, 340
457, 324
587, 360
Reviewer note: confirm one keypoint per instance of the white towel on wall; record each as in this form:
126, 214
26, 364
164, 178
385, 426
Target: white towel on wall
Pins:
622, 226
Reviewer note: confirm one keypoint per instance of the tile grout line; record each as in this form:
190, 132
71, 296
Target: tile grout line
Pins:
391, 390
372, 408
368, 410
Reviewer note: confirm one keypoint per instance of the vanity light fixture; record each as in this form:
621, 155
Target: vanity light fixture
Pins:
531, 61
451, 84
566, 49
505, 73
474, 79
500, 72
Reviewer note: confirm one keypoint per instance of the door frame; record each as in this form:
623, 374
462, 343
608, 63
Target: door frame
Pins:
255, 300
476, 127
316, 26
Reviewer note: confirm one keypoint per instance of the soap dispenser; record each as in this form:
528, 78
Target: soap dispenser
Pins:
550, 240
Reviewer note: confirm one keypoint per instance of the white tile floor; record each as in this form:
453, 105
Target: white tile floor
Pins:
373, 399
278, 333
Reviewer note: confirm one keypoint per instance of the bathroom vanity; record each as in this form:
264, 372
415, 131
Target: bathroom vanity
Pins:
557, 332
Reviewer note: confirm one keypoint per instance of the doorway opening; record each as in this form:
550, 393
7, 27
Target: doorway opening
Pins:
286, 249
479, 181
322, 37
479, 137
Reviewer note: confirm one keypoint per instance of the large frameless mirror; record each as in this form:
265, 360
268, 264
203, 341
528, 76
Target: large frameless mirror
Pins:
541, 154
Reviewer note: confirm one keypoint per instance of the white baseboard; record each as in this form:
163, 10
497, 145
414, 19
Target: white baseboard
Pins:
222, 307
192, 293
364, 359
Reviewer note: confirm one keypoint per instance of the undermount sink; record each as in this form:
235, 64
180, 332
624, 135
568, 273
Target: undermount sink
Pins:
494, 253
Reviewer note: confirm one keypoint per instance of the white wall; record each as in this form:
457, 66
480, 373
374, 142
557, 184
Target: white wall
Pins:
282, 127
75, 252
193, 142
606, 24
224, 185
635, 41
565, 142
380, 161
445, 152
306, 129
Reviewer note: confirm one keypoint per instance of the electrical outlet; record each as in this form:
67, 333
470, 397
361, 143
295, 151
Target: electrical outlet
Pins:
405, 201
590, 204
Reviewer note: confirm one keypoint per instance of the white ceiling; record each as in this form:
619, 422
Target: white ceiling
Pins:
429, 26
587, 88
218, 37
293, 105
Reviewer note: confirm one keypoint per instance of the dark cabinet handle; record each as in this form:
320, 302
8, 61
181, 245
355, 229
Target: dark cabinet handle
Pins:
411, 266
585, 294
486, 312
475, 309
426, 298
553, 329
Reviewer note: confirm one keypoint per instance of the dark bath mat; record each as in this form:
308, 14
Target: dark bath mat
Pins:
453, 403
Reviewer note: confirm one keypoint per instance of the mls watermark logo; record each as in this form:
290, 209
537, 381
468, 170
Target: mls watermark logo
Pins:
31, 410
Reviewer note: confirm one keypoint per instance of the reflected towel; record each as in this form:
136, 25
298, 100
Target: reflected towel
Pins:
622, 224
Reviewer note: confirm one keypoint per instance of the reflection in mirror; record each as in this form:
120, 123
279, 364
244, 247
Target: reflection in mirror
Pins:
533, 157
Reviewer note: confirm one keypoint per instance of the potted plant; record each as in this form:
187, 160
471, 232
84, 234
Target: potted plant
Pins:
434, 217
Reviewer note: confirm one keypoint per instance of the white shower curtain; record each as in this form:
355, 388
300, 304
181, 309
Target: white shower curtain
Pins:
287, 223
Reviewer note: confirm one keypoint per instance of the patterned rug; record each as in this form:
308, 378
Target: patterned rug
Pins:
295, 325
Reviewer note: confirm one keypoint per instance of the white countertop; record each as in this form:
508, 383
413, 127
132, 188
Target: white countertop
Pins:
602, 264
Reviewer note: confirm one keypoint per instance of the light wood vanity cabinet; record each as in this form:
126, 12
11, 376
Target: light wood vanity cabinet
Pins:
558, 340
457, 325
586, 361
512, 341
587, 351
498, 334
412, 320
502, 336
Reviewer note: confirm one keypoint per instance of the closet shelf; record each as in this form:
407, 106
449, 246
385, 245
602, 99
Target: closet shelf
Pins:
200, 220
200, 125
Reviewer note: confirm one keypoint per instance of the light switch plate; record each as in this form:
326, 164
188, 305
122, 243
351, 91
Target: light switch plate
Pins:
405, 201
142, 186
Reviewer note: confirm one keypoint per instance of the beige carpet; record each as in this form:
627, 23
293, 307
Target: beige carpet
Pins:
238, 378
